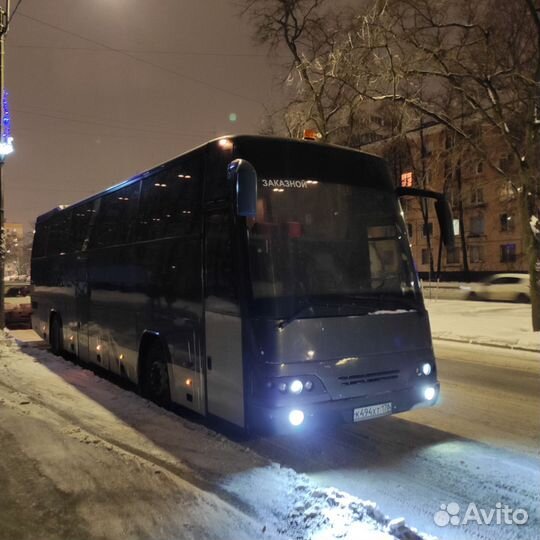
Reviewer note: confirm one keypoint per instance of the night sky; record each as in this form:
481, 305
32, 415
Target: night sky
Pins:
100, 90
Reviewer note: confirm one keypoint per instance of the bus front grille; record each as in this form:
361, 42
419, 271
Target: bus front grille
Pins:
369, 377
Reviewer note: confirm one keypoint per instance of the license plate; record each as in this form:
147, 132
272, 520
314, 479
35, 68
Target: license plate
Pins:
372, 411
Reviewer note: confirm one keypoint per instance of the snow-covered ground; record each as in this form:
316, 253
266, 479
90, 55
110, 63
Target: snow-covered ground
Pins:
485, 323
84, 458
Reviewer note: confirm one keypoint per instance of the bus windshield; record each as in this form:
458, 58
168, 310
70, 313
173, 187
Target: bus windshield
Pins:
328, 249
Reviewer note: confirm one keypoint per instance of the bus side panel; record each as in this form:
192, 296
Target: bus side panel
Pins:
112, 337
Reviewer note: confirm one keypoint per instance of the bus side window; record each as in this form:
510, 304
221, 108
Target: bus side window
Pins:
181, 206
220, 282
115, 216
59, 226
150, 223
39, 247
169, 201
80, 225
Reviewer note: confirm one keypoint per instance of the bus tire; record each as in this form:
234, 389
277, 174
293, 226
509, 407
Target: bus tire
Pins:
154, 374
56, 337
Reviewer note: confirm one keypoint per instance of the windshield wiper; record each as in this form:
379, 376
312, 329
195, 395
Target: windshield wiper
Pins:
285, 322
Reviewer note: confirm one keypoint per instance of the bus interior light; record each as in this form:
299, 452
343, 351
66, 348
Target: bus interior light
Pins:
296, 417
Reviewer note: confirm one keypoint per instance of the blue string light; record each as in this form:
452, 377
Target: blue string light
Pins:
6, 120
6, 140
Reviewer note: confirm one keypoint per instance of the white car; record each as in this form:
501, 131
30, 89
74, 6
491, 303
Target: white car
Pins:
500, 287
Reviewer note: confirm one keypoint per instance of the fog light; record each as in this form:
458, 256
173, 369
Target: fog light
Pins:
429, 393
426, 369
296, 387
296, 417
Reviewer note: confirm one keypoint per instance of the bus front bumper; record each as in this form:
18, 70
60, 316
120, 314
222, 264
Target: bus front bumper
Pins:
301, 417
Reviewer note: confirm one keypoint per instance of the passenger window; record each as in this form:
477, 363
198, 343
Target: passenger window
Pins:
169, 202
115, 216
81, 220
39, 246
59, 226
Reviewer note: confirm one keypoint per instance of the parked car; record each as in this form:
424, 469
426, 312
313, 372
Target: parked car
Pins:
500, 287
17, 304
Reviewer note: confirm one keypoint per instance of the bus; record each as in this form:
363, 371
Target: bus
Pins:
265, 281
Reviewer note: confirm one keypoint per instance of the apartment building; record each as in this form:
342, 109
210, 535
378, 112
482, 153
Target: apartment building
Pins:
487, 224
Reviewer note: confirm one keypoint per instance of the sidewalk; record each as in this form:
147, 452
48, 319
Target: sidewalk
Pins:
495, 324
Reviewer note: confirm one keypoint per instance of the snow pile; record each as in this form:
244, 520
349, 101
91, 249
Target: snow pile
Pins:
148, 473
327, 514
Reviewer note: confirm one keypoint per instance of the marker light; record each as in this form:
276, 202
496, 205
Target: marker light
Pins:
429, 393
296, 387
426, 369
296, 417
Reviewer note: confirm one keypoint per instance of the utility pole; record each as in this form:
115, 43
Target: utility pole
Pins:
4, 24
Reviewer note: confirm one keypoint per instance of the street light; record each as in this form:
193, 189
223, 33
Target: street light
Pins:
6, 147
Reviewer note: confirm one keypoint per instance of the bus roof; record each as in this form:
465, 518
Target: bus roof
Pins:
241, 140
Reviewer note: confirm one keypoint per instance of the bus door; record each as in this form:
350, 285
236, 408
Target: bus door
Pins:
82, 306
223, 323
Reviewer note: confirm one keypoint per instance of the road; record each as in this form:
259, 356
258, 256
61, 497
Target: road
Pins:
479, 445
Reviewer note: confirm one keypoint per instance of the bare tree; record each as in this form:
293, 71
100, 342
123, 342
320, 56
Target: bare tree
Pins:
461, 64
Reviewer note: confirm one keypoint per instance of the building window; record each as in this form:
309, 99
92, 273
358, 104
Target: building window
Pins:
410, 230
452, 256
507, 192
477, 225
427, 229
477, 196
406, 179
476, 254
508, 253
480, 167
507, 222
505, 162
425, 256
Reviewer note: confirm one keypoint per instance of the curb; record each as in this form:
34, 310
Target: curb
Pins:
472, 341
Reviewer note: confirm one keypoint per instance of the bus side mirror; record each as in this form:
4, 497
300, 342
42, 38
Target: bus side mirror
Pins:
446, 222
244, 178
442, 207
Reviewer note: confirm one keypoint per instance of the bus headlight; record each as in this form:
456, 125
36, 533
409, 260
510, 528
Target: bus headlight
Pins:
429, 393
296, 387
296, 417
426, 369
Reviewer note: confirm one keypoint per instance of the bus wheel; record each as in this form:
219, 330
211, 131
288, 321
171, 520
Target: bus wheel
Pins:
155, 383
56, 338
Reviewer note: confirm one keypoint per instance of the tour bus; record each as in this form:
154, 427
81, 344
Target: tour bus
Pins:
264, 281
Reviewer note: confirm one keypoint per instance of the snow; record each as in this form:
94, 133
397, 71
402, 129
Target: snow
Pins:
483, 323
83, 457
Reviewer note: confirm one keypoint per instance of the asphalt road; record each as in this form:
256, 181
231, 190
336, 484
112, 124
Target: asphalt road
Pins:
479, 445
